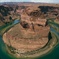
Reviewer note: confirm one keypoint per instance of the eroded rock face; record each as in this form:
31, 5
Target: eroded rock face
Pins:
24, 24
10, 12
28, 38
30, 34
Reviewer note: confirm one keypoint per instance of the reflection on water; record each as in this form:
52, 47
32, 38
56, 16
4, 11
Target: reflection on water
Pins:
16, 21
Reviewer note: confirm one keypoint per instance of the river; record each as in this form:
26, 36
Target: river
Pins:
51, 54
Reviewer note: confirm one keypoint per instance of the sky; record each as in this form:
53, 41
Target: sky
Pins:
45, 1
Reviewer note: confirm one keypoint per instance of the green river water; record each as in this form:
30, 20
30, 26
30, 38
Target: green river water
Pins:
51, 54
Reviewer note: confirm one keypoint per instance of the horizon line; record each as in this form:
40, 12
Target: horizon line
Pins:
30, 2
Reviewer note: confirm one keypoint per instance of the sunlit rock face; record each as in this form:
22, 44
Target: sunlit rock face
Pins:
31, 34
27, 36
